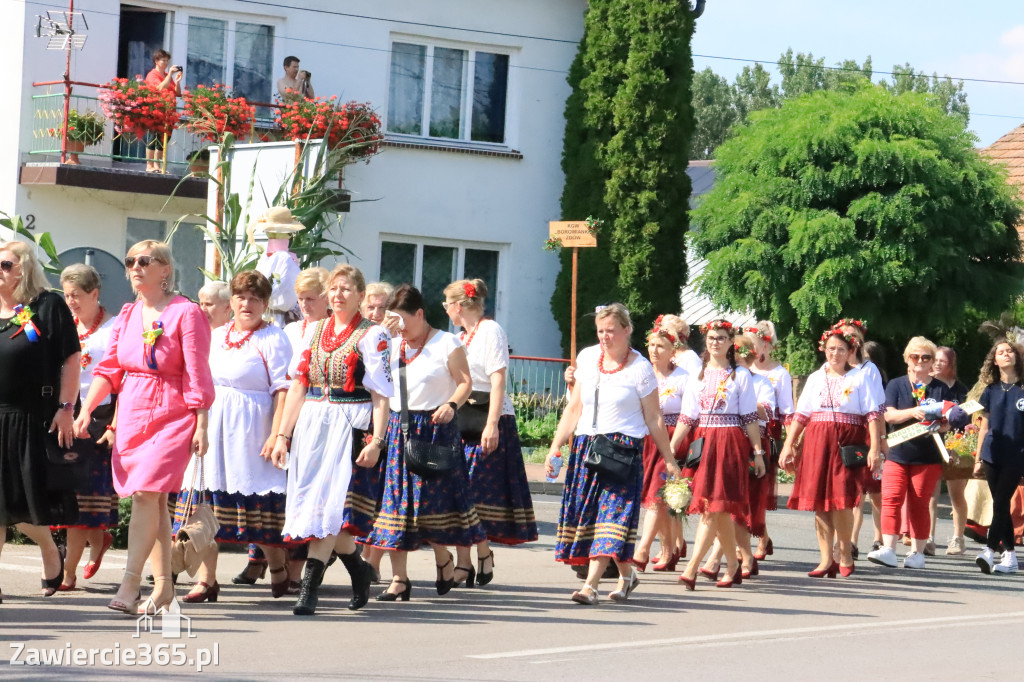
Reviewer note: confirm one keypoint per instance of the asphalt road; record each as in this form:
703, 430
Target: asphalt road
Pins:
945, 622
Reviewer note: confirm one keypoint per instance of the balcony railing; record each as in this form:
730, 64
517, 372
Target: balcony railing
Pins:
48, 111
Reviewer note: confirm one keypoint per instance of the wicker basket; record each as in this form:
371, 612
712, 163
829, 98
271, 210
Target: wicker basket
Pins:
958, 468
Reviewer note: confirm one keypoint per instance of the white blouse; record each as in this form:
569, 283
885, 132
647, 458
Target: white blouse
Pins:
296, 332
718, 400
765, 395
429, 382
260, 365
689, 362
93, 350
618, 407
374, 351
782, 382
670, 392
487, 351
847, 395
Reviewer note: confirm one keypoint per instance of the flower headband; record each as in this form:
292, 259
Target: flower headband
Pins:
663, 332
716, 324
759, 333
850, 339
741, 350
469, 289
859, 324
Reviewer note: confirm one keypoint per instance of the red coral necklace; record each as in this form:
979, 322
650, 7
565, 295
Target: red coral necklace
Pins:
418, 350
600, 364
468, 340
229, 344
330, 341
95, 325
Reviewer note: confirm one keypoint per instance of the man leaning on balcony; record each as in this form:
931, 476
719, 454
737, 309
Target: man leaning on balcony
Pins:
295, 85
161, 79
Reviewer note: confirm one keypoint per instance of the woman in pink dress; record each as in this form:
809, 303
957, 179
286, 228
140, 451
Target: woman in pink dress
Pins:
158, 364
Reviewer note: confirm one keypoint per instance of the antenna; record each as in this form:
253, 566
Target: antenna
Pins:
60, 30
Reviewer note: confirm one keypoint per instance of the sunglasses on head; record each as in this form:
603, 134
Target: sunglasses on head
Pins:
143, 261
6, 265
920, 358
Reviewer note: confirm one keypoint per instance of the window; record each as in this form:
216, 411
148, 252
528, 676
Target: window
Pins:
432, 267
448, 93
235, 53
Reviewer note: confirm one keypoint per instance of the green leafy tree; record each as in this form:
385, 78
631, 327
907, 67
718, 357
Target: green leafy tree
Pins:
802, 73
862, 204
715, 112
950, 96
753, 91
626, 146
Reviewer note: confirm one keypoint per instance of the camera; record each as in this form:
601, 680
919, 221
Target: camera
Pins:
308, 77
176, 68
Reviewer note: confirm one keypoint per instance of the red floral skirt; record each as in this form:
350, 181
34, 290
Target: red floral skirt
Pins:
654, 469
721, 482
823, 483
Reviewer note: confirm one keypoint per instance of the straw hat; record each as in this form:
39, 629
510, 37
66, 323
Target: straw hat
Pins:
277, 220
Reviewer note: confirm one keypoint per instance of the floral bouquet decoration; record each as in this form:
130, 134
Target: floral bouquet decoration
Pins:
137, 108
961, 446
353, 127
676, 494
212, 112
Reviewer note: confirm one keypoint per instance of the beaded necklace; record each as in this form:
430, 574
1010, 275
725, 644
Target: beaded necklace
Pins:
418, 350
229, 344
600, 364
330, 341
468, 340
86, 358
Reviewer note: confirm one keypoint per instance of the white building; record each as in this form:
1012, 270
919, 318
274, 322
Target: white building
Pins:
472, 93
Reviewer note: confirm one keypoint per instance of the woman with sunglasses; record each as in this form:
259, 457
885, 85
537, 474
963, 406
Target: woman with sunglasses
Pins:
158, 363
914, 467
435, 510
835, 408
494, 459
720, 407
97, 503
39, 367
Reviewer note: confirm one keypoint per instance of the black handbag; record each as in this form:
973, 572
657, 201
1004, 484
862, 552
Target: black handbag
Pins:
424, 458
473, 416
64, 464
612, 461
694, 453
854, 456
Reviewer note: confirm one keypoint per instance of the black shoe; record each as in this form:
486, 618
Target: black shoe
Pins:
484, 578
362, 577
334, 557
855, 552
443, 585
254, 570
975, 535
470, 576
51, 585
395, 596
305, 605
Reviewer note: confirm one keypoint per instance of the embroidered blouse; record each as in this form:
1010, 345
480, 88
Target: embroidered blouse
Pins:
717, 398
847, 395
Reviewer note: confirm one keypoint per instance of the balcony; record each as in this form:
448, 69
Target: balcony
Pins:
116, 163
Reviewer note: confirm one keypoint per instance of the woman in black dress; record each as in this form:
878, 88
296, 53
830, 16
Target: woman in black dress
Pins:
39, 367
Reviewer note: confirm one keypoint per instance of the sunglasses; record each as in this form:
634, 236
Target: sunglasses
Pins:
6, 265
920, 358
143, 261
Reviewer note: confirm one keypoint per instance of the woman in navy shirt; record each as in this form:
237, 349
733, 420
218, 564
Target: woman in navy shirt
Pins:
1001, 448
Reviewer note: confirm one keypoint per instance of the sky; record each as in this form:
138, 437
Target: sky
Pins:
982, 40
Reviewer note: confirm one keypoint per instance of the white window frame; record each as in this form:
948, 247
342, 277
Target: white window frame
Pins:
460, 247
465, 124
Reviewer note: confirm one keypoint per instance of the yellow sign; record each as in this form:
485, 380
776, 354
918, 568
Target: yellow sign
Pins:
571, 233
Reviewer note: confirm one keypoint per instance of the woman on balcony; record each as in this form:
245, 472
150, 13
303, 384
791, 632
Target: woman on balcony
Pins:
494, 458
97, 503
436, 510
158, 363
249, 363
39, 366
613, 406
335, 412
167, 82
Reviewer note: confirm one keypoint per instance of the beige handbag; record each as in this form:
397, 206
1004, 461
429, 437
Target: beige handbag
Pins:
198, 531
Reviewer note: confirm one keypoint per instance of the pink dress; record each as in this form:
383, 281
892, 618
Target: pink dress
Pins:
156, 408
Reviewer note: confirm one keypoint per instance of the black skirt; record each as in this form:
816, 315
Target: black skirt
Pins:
28, 493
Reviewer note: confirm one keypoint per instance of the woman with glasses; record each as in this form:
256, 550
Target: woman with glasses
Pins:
39, 367
914, 467
835, 409
158, 363
97, 503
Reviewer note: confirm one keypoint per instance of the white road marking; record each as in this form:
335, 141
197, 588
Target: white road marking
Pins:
756, 635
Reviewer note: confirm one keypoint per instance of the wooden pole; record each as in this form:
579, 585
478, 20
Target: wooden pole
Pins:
572, 333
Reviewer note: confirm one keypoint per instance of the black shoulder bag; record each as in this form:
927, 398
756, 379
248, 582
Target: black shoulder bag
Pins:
424, 458
612, 461
473, 416
853, 456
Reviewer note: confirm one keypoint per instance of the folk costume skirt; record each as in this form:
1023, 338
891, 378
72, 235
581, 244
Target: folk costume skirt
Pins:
758, 490
363, 500
25, 491
499, 488
418, 510
598, 518
823, 483
655, 473
721, 482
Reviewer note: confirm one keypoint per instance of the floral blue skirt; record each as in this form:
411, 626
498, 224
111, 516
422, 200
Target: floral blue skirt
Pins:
598, 518
364, 490
242, 518
416, 510
500, 490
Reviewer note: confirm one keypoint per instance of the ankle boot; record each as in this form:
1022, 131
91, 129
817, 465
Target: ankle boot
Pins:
362, 577
305, 605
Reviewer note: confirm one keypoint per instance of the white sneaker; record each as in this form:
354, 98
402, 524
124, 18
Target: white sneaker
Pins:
884, 556
913, 560
986, 559
955, 546
1008, 564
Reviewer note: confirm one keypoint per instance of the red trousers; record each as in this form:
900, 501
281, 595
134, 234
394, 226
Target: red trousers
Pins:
913, 483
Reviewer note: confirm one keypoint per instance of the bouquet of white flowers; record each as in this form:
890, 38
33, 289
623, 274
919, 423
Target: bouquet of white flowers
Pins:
676, 494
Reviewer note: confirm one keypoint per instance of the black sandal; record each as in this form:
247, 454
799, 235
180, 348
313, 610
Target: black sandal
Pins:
444, 586
470, 576
52, 585
484, 578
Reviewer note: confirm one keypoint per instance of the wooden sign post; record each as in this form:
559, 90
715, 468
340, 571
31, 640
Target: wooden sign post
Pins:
577, 234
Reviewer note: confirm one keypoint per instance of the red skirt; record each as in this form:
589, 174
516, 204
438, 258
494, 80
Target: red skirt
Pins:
654, 469
758, 491
822, 482
720, 483
868, 483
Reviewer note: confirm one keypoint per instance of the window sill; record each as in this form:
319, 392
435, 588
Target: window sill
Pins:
405, 142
